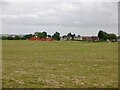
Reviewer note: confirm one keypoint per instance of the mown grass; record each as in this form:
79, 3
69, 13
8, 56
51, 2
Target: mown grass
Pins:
31, 64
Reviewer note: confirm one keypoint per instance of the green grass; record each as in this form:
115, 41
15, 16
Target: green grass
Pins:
31, 64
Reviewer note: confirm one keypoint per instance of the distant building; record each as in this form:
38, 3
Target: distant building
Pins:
90, 38
80, 38
77, 38
66, 38
35, 38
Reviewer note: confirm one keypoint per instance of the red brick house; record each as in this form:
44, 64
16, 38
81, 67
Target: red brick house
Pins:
35, 38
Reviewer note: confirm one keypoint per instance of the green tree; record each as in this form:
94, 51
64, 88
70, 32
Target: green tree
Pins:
112, 37
56, 36
103, 36
4, 37
17, 38
44, 34
41, 34
49, 36
9, 38
78, 36
27, 36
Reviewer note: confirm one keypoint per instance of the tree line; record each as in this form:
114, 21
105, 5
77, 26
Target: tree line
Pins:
55, 36
103, 36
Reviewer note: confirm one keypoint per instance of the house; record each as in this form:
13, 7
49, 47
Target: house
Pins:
66, 38
69, 38
90, 38
49, 39
77, 38
80, 38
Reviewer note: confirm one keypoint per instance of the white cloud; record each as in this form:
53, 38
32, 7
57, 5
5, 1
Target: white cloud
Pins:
78, 16
10, 16
28, 16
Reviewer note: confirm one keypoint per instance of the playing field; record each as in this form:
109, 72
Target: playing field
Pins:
34, 64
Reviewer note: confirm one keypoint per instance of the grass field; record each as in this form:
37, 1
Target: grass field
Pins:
31, 64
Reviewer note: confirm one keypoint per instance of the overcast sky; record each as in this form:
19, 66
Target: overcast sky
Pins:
84, 18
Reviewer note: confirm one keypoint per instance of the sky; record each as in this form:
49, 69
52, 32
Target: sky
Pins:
75, 16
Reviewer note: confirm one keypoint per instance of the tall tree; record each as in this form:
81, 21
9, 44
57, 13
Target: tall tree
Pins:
44, 34
73, 36
17, 38
69, 36
56, 36
103, 36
